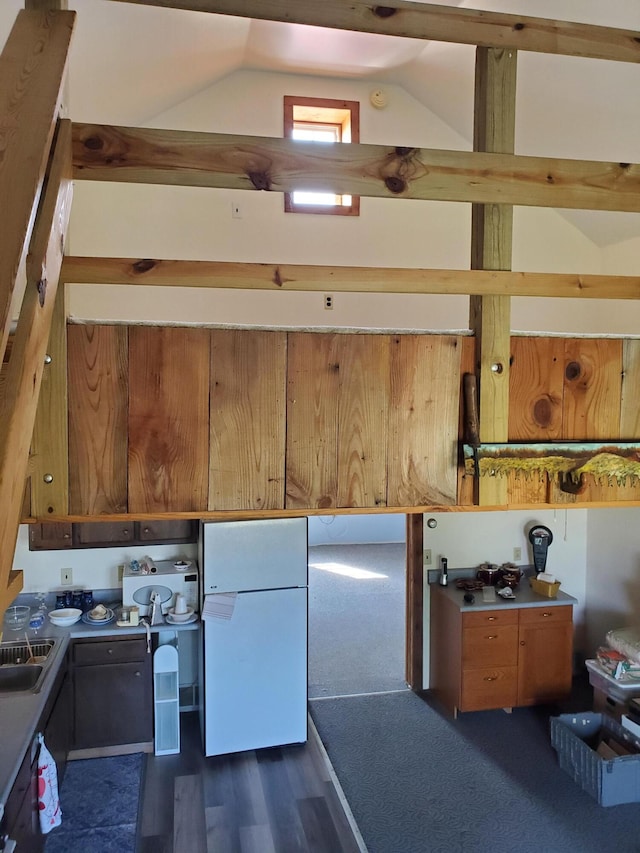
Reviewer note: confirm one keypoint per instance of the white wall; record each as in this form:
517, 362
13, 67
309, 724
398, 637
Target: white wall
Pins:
470, 538
356, 529
93, 568
613, 573
195, 223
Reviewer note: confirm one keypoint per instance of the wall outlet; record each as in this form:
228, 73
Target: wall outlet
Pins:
66, 577
428, 561
517, 554
328, 301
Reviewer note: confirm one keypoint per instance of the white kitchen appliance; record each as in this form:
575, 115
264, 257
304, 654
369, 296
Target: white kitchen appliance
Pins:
167, 581
255, 626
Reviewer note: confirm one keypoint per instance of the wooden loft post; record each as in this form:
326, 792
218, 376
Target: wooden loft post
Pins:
50, 446
491, 242
32, 67
26, 364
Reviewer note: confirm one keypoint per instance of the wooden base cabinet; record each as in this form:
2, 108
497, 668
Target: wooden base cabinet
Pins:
500, 658
112, 695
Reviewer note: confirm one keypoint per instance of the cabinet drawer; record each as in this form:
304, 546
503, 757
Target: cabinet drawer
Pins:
546, 615
490, 646
109, 651
490, 617
489, 688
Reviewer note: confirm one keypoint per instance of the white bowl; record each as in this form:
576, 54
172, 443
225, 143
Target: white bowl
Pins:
181, 617
182, 565
65, 617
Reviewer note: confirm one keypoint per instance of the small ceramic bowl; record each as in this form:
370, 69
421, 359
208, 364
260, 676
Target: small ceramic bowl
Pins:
181, 617
65, 617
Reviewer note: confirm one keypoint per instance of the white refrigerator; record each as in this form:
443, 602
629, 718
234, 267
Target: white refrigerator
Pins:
254, 661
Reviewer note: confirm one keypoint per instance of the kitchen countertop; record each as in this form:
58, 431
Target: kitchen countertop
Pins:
525, 597
20, 712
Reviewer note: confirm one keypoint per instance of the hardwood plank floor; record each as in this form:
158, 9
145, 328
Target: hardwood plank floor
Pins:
280, 800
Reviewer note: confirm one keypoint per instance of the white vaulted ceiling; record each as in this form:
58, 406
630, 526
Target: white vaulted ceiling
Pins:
131, 62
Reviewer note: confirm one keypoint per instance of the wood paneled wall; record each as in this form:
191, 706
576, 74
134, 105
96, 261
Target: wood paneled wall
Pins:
168, 419
172, 419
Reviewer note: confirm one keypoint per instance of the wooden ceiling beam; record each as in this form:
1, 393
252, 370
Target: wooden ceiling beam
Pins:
433, 23
185, 158
25, 368
298, 277
32, 67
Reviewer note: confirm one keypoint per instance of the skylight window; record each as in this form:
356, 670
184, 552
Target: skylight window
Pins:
328, 121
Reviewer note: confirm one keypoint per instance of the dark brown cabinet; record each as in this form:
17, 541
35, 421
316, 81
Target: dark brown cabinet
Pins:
21, 822
51, 536
112, 693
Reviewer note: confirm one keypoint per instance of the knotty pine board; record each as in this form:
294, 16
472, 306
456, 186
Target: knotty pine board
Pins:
312, 420
423, 420
592, 388
168, 418
98, 391
363, 409
248, 419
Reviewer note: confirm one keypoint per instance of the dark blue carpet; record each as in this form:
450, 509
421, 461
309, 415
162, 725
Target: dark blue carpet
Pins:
99, 799
488, 782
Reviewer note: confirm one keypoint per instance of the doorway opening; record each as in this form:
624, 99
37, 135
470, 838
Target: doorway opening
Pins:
358, 597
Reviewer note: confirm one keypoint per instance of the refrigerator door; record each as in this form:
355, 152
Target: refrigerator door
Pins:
255, 673
253, 555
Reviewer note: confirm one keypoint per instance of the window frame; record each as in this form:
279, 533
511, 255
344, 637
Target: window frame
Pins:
353, 108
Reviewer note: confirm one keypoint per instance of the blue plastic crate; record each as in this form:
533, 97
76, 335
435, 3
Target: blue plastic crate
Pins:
609, 781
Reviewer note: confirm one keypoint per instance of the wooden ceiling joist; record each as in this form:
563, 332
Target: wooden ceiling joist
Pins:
32, 66
434, 23
298, 277
181, 158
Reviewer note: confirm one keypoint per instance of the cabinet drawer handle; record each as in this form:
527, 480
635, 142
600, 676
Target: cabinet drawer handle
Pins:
138, 674
491, 637
491, 618
490, 678
109, 651
545, 614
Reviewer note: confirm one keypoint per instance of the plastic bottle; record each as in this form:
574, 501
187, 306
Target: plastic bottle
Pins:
444, 578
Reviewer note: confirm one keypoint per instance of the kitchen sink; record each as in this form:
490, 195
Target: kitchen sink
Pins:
16, 675
16, 678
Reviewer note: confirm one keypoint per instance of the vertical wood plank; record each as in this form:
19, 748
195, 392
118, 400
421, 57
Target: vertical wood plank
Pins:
362, 419
248, 419
593, 388
313, 376
168, 456
592, 407
423, 420
629, 408
189, 829
536, 389
536, 386
50, 442
491, 243
98, 401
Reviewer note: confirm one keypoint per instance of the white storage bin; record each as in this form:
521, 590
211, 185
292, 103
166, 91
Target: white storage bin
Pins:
166, 701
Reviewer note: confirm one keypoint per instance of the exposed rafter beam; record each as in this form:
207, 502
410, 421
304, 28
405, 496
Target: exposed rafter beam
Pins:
435, 23
298, 277
32, 67
183, 158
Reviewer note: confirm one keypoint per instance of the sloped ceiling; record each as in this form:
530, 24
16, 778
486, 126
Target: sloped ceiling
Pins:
130, 63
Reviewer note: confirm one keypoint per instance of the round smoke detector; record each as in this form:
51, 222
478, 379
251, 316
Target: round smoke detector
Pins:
378, 99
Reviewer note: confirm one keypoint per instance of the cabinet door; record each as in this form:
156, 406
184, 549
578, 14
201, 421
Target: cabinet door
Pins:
545, 655
172, 530
112, 705
103, 533
50, 536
